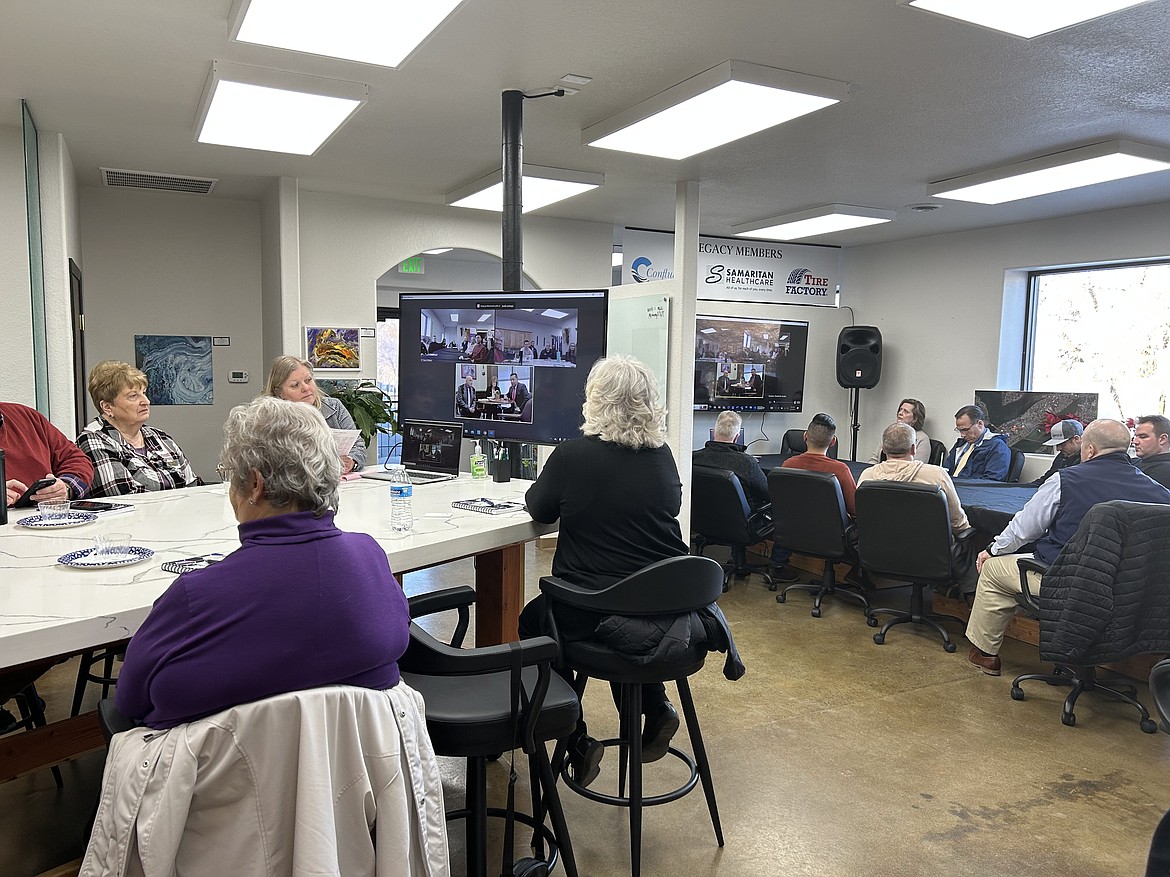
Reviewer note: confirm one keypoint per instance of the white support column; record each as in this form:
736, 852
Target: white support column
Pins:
681, 363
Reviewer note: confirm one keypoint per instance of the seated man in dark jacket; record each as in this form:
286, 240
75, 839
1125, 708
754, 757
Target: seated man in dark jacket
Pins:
723, 453
979, 452
1050, 519
1065, 436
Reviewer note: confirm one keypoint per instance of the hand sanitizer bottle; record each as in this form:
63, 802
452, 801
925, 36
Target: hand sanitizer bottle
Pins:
478, 463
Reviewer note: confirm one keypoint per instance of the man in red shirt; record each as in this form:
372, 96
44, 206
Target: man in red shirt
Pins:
818, 438
34, 448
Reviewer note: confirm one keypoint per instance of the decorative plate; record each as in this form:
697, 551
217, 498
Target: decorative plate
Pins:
73, 519
88, 558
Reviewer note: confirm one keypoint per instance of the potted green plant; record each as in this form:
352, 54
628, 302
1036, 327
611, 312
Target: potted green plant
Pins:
372, 410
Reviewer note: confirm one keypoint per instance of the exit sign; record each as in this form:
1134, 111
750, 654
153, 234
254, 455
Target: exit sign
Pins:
413, 265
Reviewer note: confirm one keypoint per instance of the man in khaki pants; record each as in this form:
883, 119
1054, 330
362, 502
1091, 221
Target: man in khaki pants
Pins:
1050, 519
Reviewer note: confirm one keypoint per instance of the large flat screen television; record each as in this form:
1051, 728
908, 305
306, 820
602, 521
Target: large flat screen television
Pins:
506, 365
749, 364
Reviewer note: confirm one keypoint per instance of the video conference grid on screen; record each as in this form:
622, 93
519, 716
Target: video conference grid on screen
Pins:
744, 364
505, 365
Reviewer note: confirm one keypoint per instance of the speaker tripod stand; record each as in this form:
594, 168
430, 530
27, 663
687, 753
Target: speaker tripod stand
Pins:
854, 421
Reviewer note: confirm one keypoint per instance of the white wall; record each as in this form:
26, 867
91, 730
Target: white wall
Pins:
17, 383
60, 241
160, 263
347, 242
940, 304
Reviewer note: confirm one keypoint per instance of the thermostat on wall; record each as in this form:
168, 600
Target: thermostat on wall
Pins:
237, 377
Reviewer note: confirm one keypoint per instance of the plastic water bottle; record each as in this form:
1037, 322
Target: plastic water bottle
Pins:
401, 512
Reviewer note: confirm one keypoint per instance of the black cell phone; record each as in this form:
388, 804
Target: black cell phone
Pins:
36, 487
89, 505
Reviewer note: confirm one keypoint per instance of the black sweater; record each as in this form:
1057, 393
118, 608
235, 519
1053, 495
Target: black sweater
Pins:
618, 509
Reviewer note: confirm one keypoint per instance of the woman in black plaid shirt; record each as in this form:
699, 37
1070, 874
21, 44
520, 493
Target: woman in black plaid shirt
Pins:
129, 456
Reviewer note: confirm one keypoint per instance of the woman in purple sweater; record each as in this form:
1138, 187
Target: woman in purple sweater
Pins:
299, 605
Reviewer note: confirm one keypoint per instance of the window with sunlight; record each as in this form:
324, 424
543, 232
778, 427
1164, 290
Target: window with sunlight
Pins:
1104, 330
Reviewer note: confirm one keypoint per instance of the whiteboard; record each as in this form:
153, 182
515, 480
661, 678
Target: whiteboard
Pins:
640, 326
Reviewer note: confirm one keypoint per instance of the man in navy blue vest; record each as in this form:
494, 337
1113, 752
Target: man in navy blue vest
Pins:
1050, 519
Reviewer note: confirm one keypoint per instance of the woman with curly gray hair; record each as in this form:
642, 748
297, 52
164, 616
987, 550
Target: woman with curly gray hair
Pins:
607, 534
300, 604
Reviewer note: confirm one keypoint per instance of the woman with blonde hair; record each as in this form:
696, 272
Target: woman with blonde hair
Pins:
291, 378
129, 456
617, 493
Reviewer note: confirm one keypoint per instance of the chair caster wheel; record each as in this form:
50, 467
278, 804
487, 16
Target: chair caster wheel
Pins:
1017, 693
725, 588
816, 613
1068, 719
871, 621
1149, 726
780, 598
772, 586
879, 638
949, 648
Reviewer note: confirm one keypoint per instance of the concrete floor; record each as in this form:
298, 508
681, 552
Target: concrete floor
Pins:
832, 756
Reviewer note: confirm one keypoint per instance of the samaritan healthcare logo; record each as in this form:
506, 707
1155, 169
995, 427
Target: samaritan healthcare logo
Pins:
643, 271
739, 278
801, 282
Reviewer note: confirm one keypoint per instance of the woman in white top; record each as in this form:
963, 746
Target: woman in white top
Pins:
913, 412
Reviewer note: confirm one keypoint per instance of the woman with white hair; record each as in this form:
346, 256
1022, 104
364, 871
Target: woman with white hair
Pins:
617, 494
299, 605
292, 378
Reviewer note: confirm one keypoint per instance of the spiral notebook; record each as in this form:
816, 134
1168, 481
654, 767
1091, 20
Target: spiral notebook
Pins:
487, 506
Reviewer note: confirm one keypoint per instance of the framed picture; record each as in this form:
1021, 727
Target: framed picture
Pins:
467, 371
333, 349
1025, 418
177, 367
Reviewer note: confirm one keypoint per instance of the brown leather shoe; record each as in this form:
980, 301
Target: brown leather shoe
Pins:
989, 664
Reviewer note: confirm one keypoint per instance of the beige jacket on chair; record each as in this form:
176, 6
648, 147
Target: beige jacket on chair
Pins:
290, 785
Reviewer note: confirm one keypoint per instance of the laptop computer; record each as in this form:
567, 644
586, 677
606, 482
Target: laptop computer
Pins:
430, 451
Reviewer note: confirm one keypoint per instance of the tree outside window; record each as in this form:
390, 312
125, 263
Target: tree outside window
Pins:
1104, 330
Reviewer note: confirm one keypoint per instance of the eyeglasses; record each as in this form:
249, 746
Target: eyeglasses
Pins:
974, 427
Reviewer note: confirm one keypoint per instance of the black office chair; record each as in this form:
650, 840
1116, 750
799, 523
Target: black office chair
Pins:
938, 452
809, 517
793, 443
1080, 677
1016, 467
721, 515
1158, 862
904, 533
473, 711
671, 587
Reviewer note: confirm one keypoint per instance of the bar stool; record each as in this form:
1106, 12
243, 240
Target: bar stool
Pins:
675, 586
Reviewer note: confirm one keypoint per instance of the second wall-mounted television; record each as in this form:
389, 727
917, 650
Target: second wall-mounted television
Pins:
749, 364
460, 351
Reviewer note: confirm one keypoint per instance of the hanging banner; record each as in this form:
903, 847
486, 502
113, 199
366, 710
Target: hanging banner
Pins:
738, 269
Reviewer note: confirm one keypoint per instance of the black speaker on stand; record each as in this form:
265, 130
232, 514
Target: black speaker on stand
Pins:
859, 367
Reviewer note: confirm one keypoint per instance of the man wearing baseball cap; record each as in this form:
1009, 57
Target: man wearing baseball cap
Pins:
1065, 436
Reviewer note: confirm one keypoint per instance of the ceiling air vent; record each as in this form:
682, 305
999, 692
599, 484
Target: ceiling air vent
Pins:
124, 179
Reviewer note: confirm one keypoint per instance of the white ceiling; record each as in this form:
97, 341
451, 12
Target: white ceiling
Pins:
930, 98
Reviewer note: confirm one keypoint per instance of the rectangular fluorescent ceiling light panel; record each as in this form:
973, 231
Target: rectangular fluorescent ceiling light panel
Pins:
1071, 169
810, 223
381, 32
1025, 18
454, 318
438, 251
273, 110
707, 331
540, 187
715, 107
553, 314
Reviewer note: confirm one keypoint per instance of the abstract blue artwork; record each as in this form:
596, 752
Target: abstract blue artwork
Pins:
178, 368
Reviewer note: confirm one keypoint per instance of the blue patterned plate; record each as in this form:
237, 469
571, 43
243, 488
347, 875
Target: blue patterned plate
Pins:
88, 558
72, 519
